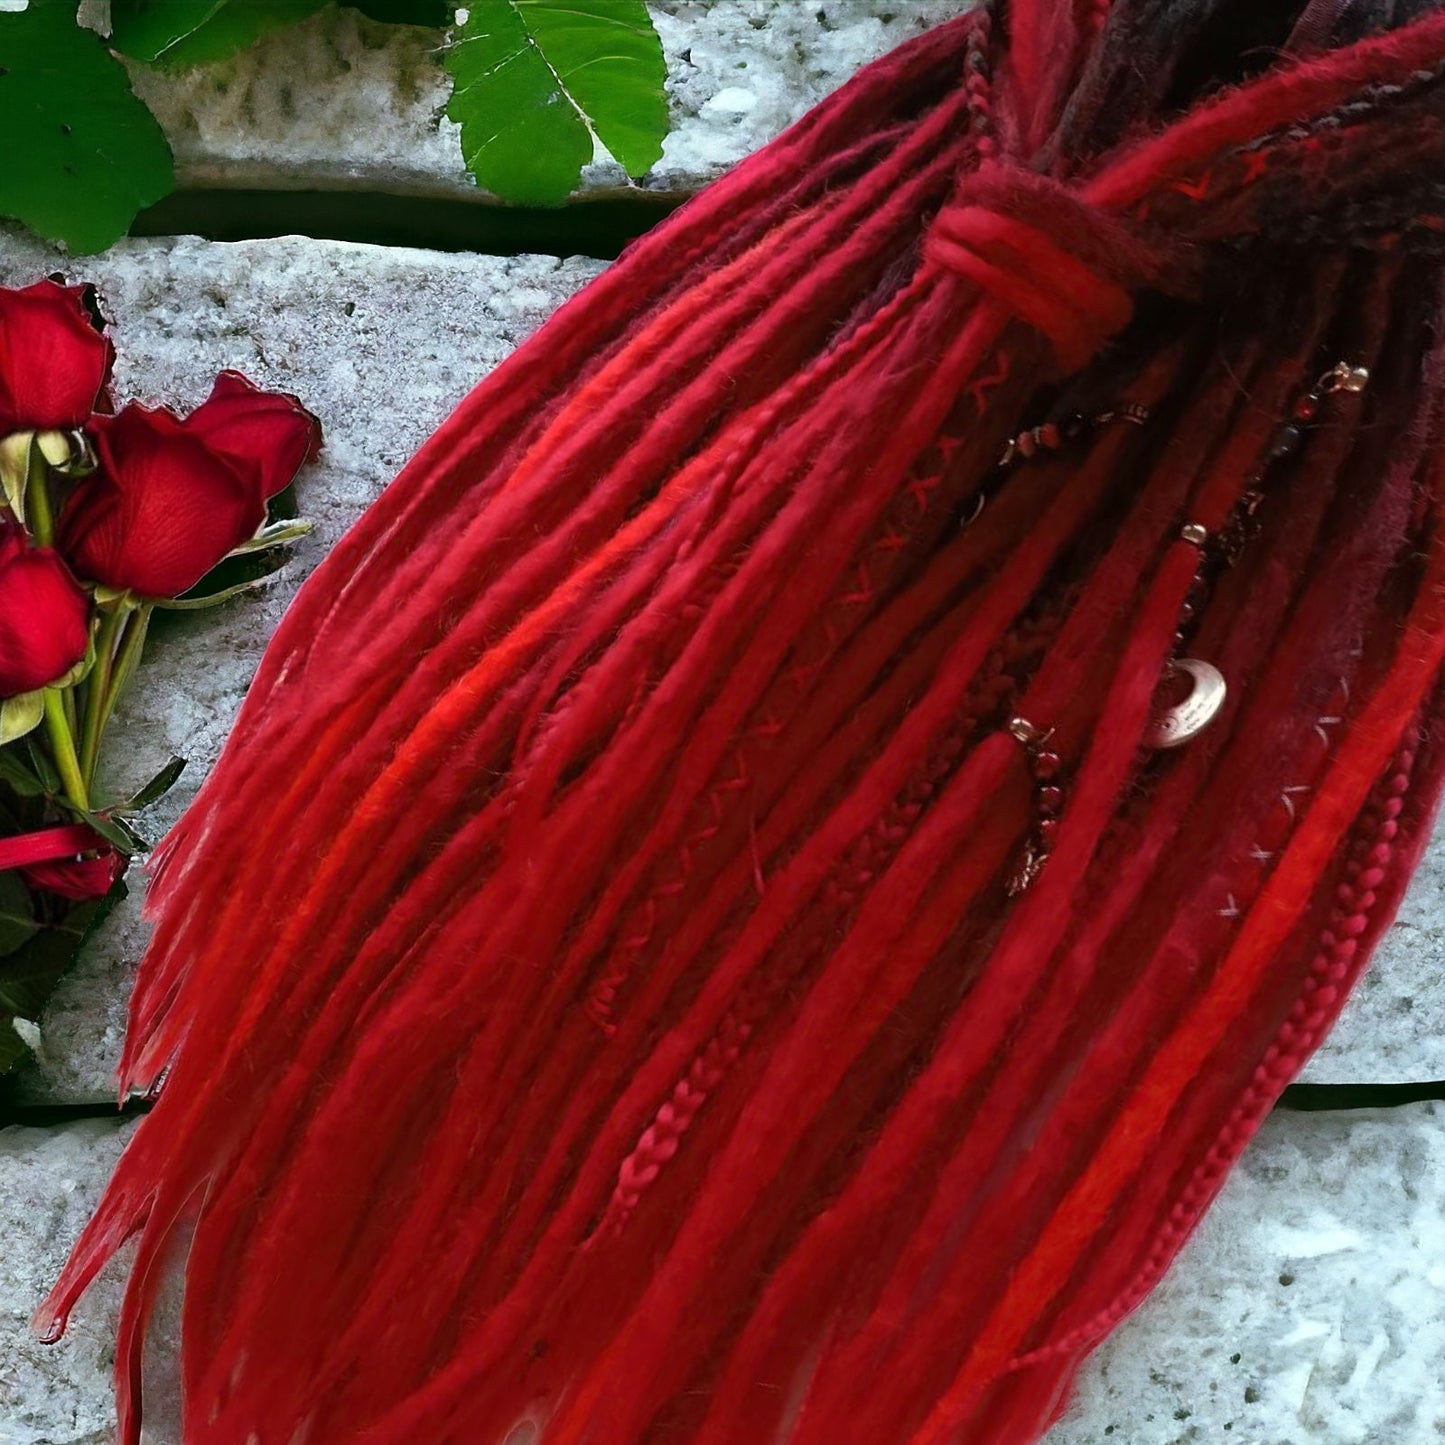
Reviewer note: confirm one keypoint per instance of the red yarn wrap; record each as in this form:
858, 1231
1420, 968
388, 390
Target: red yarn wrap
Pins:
591, 1001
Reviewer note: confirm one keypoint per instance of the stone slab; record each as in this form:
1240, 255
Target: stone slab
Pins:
343, 102
50, 1180
1309, 1308
382, 343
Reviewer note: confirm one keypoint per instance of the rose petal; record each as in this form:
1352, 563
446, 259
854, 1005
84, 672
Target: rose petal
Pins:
44, 616
78, 878
54, 362
269, 429
162, 508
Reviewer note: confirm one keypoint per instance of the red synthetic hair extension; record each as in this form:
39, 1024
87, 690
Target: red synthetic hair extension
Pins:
697, 934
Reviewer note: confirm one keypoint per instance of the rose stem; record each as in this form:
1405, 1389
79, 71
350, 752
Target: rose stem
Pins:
57, 723
37, 499
62, 743
97, 690
125, 663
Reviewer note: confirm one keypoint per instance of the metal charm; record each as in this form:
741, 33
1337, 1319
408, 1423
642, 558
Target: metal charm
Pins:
1188, 718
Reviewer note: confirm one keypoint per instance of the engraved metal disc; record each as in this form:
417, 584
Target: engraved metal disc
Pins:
1190, 716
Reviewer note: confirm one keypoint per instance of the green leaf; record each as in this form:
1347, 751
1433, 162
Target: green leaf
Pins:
15, 470
537, 80
243, 569
28, 977
13, 1048
82, 154
273, 534
17, 915
43, 768
21, 714
20, 779
180, 33
158, 787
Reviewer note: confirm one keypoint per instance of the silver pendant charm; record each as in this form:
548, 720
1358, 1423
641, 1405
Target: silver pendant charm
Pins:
1188, 718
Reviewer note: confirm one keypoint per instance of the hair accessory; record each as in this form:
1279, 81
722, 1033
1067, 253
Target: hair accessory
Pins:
1050, 436
1044, 768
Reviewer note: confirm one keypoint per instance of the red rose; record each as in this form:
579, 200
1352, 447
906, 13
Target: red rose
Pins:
170, 498
53, 359
44, 616
78, 878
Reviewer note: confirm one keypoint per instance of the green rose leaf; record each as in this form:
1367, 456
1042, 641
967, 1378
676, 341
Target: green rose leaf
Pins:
157, 788
17, 916
28, 976
179, 33
82, 154
537, 80
21, 714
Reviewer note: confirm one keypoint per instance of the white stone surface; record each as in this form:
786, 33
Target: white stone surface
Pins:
50, 1180
1309, 1308
381, 344
341, 101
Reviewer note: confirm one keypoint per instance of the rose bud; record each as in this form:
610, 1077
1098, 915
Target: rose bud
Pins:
171, 498
54, 362
44, 616
78, 878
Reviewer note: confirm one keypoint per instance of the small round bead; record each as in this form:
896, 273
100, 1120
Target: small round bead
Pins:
1050, 799
1049, 434
1048, 831
1307, 408
1026, 443
1194, 533
1285, 440
1047, 765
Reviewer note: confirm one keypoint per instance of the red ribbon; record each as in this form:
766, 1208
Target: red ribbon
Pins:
46, 845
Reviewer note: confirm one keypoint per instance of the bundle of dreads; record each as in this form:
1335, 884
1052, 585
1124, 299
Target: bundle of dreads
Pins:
758, 893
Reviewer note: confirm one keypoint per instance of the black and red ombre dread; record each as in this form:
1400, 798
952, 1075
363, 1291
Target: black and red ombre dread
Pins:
696, 936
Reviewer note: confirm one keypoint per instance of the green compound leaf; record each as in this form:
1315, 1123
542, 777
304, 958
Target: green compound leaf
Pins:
179, 33
537, 80
82, 154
